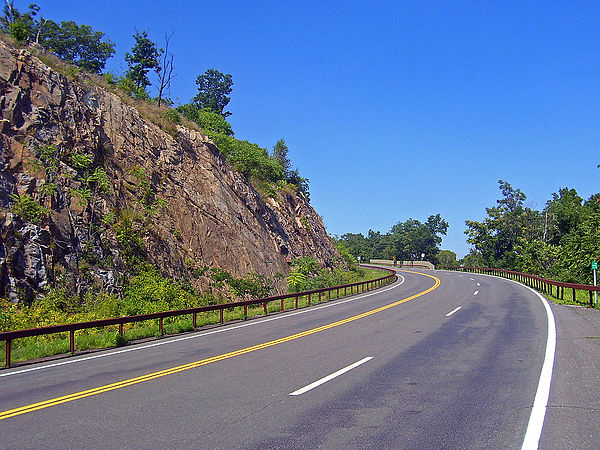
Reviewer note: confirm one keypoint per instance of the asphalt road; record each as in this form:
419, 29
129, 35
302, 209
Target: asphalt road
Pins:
437, 360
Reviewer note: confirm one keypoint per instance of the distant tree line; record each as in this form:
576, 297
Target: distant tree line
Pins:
560, 241
89, 50
411, 240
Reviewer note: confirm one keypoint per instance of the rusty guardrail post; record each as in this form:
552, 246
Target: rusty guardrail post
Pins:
8, 342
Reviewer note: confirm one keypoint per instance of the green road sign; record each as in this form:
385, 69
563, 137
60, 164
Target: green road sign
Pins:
594, 265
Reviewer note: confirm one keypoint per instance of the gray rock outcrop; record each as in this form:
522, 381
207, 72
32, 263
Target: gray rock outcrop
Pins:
196, 211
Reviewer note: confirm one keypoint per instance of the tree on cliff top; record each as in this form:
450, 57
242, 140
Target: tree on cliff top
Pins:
76, 44
213, 90
280, 153
143, 57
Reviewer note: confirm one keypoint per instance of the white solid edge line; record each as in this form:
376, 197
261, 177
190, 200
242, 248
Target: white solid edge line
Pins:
330, 377
207, 333
540, 403
453, 311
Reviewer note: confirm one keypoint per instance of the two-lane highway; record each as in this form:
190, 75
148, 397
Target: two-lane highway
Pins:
437, 360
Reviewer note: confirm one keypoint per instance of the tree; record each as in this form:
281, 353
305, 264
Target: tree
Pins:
513, 198
76, 44
406, 241
293, 177
562, 215
508, 224
9, 14
21, 26
579, 249
254, 161
541, 243
447, 258
356, 244
344, 250
143, 57
580, 245
213, 90
411, 239
473, 259
280, 153
165, 70
436, 226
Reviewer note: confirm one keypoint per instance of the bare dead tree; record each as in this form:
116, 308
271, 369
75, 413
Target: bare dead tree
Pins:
9, 8
165, 73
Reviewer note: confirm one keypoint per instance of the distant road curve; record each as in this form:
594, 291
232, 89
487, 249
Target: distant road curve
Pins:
437, 360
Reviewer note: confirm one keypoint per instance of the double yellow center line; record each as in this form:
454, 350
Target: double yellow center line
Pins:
162, 373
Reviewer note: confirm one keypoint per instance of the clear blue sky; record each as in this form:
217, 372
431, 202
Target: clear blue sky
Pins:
393, 110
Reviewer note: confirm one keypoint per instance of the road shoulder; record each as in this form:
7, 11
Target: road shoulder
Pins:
574, 406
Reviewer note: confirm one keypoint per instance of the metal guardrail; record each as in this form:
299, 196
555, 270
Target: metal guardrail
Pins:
403, 264
538, 283
362, 286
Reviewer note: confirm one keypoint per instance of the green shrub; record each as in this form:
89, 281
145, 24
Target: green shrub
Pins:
296, 281
28, 208
110, 78
148, 291
172, 116
129, 233
99, 180
20, 29
208, 120
252, 285
82, 161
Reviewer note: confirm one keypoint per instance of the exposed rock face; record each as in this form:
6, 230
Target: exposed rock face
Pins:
196, 210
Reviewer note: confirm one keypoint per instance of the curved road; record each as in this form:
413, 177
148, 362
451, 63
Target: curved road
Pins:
436, 360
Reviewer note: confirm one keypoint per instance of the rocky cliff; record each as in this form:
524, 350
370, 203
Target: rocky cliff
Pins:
86, 184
